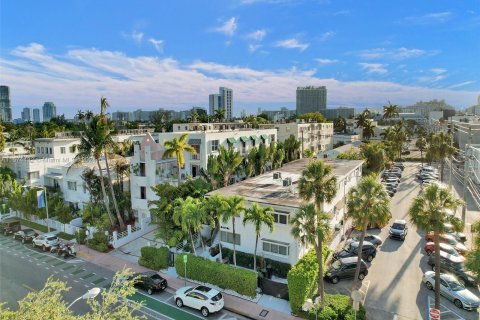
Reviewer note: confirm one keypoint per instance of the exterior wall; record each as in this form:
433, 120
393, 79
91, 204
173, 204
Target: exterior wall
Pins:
345, 138
316, 136
475, 163
311, 99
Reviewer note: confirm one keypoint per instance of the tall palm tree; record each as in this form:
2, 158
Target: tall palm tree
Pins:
367, 204
387, 134
233, 207
430, 211
278, 156
108, 147
175, 148
441, 148
259, 216
363, 118
368, 130
340, 124
189, 215
390, 111
421, 144
292, 148
220, 114
80, 115
193, 116
312, 227
89, 115
229, 161
212, 173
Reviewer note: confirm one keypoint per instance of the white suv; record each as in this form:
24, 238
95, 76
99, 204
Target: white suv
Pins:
45, 241
202, 298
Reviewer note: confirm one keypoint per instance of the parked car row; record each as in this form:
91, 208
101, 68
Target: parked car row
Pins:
391, 178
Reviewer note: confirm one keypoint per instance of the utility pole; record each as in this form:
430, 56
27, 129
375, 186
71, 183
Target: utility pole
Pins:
451, 157
465, 177
302, 142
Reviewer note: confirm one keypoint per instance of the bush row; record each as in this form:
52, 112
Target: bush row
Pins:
337, 307
98, 242
222, 275
245, 260
154, 258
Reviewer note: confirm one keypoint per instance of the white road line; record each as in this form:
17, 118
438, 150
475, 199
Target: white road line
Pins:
395, 316
148, 314
47, 268
186, 311
75, 281
168, 299
65, 277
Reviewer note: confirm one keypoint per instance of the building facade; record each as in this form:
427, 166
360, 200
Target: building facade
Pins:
213, 103
222, 100
278, 115
347, 113
36, 115
49, 111
279, 190
5, 107
311, 99
26, 114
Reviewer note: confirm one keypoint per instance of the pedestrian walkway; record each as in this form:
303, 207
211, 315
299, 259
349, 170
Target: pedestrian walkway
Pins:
234, 304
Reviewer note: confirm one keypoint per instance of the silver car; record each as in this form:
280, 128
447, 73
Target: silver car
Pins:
453, 290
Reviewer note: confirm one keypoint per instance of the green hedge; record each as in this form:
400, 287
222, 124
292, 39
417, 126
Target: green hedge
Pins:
154, 258
222, 275
337, 307
302, 279
245, 260
65, 236
99, 242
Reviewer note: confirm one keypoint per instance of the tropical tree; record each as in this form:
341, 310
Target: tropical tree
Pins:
441, 148
212, 173
363, 118
89, 115
292, 148
390, 111
229, 161
314, 116
307, 153
473, 257
2, 139
189, 215
220, 114
233, 207
175, 148
374, 155
311, 228
367, 204
430, 211
421, 144
340, 124
387, 134
368, 130
278, 156
193, 116
259, 216
80, 115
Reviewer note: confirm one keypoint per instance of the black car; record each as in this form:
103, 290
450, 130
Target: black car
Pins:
25, 235
10, 226
455, 265
149, 281
344, 269
369, 251
373, 239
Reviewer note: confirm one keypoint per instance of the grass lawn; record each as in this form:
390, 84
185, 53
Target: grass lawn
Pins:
34, 225
65, 236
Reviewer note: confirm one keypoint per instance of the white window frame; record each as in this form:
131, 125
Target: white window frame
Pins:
278, 214
62, 150
215, 144
227, 237
72, 185
270, 244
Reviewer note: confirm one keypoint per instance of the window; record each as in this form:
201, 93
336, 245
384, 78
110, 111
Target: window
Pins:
62, 150
275, 247
228, 237
41, 149
272, 137
143, 192
281, 217
72, 185
33, 175
38, 149
51, 151
214, 145
72, 149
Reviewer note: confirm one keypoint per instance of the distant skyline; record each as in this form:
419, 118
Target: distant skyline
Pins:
153, 54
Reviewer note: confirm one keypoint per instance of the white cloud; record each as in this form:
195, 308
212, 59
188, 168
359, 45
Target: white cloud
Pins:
257, 35
326, 35
326, 61
137, 36
158, 44
228, 27
292, 43
253, 47
430, 18
431, 79
374, 67
396, 53
438, 70
79, 77
461, 84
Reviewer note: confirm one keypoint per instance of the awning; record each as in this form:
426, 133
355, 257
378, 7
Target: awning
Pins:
231, 140
276, 242
54, 175
244, 139
264, 136
254, 138
194, 141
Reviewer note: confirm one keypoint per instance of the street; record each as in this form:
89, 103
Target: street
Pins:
24, 269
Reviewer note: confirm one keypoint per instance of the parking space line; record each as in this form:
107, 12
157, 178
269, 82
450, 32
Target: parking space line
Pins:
87, 276
68, 267
59, 263
98, 280
78, 271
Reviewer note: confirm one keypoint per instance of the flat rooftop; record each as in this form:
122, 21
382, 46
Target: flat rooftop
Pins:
265, 189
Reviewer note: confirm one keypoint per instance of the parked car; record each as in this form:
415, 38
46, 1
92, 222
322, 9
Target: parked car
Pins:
458, 235
202, 298
373, 239
430, 248
392, 174
25, 235
149, 281
399, 229
427, 176
454, 265
391, 187
390, 192
369, 251
449, 239
399, 165
344, 269
453, 290
10, 226
392, 180
45, 241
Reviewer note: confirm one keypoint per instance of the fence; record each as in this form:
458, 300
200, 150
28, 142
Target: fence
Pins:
52, 223
118, 239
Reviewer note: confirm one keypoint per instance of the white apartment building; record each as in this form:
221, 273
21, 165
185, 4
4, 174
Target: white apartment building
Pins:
314, 136
466, 133
150, 169
345, 138
473, 154
279, 190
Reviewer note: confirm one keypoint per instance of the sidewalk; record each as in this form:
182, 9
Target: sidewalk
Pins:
234, 304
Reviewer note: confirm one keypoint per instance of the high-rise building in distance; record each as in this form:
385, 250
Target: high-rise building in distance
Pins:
5, 108
311, 99
49, 111
222, 100
26, 114
36, 115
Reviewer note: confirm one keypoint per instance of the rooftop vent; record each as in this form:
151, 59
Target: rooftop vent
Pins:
287, 182
277, 175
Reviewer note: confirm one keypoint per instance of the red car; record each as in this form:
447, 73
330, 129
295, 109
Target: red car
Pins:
430, 248
449, 239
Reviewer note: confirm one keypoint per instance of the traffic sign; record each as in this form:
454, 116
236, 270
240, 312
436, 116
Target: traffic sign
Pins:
434, 314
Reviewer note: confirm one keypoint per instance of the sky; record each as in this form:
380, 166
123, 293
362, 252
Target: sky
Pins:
172, 54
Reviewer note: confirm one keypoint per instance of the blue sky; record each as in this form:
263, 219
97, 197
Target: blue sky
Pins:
172, 54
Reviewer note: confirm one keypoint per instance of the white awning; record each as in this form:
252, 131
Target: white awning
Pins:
54, 175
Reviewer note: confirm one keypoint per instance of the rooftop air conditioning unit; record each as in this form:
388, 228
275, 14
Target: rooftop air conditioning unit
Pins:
287, 182
277, 175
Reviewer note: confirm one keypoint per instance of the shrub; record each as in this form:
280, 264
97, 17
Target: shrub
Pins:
80, 236
99, 242
154, 258
302, 279
245, 260
66, 236
337, 307
222, 275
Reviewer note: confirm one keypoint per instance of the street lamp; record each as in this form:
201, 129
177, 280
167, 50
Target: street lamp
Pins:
312, 305
46, 202
90, 294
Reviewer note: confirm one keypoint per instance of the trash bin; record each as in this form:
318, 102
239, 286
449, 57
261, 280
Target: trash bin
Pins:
269, 271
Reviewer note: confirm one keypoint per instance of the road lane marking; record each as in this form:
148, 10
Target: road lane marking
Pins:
29, 288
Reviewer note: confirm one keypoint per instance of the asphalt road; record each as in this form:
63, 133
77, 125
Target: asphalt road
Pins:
24, 269
393, 287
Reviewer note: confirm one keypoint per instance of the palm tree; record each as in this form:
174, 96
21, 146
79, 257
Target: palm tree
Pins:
278, 156
89, 115
80, 115
212, 173
390, 111
421, 144
441, 148
108, 147
312, 227
193, 116
229, 161
189, 215
387, 134
175, 148
233, 207
368, 130
220, 114
367, 204
340, 124
430, 211
259, 216
363, 118
292, 148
